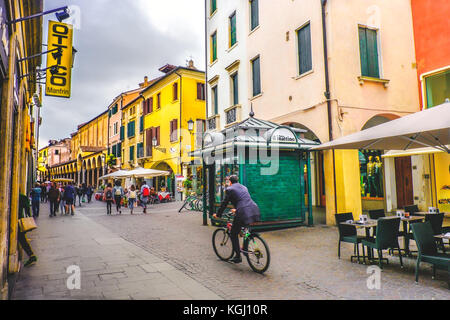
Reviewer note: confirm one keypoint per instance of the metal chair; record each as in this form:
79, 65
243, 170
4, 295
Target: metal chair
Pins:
386, 238
423, 234
436, 221
348, 234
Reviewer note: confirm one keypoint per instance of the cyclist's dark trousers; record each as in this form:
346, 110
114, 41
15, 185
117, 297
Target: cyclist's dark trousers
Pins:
235, 230
118, 200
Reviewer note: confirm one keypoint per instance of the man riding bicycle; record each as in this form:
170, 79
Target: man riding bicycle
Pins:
246, 211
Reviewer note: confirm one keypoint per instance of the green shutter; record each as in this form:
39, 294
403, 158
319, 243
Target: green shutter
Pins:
304, 49
119, 150
372, 53
216, 102
141, 124
132, 153
233, 30
213, 6
114, 150
368, 48
235, 89
214, 47
122, 133
254, 14
256, 77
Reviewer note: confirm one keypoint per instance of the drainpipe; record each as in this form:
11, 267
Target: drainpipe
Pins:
327, 92
205, 214
181, 121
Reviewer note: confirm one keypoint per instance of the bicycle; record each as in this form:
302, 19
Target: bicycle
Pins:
192, 203
255, 249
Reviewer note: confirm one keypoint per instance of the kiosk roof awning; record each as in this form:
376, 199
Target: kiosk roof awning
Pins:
258, 133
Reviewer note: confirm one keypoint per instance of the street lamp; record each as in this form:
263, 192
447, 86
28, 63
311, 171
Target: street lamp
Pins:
191, 125
155, 145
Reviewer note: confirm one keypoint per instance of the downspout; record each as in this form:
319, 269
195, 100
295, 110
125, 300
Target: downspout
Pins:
328, 94
180, 135
205, 214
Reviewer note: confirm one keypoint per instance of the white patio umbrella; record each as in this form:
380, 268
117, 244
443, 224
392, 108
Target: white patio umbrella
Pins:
147, 173
117, 174
427, 128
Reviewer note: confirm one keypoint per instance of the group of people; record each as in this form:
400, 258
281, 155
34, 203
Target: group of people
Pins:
143, 195
61, 197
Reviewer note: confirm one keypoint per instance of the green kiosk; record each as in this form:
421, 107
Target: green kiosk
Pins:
272, 161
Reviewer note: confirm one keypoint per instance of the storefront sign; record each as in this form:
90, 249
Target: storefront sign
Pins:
281, 135
58, 83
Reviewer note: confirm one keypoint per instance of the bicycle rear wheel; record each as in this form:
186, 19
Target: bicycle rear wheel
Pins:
257, 253
222, 244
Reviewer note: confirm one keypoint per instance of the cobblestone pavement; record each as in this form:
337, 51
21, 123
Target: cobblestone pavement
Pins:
109, 266
304, 263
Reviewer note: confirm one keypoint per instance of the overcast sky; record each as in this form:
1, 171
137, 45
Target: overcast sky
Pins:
119, 42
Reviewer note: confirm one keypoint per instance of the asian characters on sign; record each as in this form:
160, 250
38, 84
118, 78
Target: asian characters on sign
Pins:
59, 65
371, 169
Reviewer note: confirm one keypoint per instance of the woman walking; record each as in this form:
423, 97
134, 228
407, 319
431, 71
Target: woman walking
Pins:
132, 196
108, 198
62, 202
118, 194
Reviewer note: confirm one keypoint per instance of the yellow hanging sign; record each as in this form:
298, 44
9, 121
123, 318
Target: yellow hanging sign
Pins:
59, 63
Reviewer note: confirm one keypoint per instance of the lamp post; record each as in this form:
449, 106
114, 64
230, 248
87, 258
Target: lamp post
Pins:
155, 145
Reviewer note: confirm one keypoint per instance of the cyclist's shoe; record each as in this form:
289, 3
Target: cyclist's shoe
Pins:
30, 261
236, 260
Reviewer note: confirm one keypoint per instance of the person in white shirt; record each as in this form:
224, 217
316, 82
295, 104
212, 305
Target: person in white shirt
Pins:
132, 198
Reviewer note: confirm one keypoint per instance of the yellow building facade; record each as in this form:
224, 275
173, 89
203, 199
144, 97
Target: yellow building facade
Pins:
168, 105
18, 123
132, 134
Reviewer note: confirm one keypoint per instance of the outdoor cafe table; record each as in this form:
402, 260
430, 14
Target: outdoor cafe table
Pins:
373, 223
446, 214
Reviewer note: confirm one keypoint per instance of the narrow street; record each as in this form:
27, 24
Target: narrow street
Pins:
166, 255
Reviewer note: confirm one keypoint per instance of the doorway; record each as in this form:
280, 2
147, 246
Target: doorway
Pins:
404, 182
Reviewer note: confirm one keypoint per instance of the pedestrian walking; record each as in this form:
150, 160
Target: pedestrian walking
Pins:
79, 194
118, 195
43, 191
24, 211
108, 198
47, 189
62, 201
145, 193
132, 197
84, 192
89, 193
69, 196
36, 200
53, 198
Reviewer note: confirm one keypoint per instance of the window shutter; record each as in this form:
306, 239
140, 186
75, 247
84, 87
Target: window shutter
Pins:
304, 49
141, 124
254, 13
148, 141
175, 130
256, 77
363, 51
199, 91
150, 105
158, 135
372, 53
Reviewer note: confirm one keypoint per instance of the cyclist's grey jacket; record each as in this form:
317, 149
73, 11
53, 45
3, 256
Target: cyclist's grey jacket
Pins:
246, 209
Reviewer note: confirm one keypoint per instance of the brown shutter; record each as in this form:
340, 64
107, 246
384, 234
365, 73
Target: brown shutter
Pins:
144, 107
175, 129
150, 105
171, 130
158, 135
148, 141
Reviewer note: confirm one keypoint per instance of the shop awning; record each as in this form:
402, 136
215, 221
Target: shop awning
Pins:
427, 128
411, 152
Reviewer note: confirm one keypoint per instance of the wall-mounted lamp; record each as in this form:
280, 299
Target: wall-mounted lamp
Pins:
155, 145
61, 14
191, 125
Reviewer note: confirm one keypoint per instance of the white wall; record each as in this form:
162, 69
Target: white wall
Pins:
220, 22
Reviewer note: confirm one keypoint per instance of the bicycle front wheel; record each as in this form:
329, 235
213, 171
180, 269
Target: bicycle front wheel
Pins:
257, 253
222, 244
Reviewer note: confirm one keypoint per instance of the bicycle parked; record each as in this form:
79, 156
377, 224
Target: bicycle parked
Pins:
192, 203
254, 248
